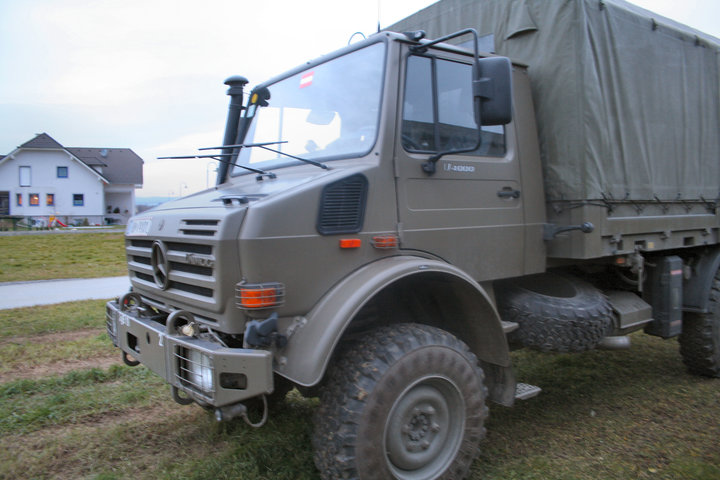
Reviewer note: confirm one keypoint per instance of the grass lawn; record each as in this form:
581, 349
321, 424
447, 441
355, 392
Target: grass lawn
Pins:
602, 415
50, 256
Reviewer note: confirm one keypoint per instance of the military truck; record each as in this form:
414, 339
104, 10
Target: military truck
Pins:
391, 219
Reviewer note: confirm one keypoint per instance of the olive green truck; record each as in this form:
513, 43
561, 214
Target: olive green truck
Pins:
392, 219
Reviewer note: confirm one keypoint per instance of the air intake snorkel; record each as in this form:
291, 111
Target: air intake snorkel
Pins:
236, 84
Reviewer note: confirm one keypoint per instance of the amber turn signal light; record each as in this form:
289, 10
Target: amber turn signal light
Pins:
261, 295
385, 242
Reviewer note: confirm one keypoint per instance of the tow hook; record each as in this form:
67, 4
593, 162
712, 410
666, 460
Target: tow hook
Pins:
227, 413
264, 333
130, 363
179, 399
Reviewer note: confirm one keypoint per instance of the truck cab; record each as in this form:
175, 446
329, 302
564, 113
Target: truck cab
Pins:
359, 191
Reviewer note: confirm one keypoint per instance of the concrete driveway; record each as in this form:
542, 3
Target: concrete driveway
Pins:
46, 292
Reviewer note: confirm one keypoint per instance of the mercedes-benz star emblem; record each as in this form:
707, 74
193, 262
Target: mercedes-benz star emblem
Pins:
160, 264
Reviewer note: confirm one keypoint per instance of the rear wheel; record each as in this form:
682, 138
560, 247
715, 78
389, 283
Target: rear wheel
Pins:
700, 338
406, 402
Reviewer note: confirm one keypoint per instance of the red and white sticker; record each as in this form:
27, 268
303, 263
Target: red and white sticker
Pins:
307, 79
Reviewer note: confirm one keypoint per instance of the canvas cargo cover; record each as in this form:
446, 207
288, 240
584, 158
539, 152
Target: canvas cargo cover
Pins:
626, 101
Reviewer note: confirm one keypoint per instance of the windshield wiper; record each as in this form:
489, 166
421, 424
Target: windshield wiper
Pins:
264, 146
217, 157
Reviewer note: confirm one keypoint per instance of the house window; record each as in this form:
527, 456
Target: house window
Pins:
34, 199
50, 199
62, 172
78, 199
25, 176
18, 199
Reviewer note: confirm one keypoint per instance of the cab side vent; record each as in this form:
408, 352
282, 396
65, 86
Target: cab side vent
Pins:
342, 206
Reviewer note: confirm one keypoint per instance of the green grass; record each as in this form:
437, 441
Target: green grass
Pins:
45, 319
15, 356
602, 415
50, 256
607, 415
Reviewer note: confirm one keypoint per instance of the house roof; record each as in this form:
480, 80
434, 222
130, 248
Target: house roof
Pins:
119, 165
41, 140
116, 165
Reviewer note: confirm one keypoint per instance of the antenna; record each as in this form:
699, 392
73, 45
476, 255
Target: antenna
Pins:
378, 4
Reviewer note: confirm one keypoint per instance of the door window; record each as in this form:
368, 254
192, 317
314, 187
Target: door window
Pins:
438, 109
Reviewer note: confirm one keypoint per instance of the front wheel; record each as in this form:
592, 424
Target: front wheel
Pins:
406, 402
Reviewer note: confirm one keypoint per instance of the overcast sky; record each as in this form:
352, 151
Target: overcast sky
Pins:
148, 74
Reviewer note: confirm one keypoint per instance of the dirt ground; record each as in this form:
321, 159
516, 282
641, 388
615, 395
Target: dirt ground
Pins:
21, 371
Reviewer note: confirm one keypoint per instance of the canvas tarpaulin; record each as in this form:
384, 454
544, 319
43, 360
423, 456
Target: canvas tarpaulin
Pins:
626, 101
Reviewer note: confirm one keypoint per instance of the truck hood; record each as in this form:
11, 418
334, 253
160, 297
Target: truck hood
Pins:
244, 190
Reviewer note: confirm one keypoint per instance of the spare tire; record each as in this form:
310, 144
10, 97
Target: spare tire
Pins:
555, 312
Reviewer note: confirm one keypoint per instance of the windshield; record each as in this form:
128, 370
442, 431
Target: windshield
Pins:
326, 112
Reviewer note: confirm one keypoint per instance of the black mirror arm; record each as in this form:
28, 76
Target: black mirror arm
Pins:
429, 166
423, 47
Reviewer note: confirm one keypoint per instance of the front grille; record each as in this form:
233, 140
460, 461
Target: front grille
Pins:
191, 267
190, 248
139, 259
142, 243
144, 276
202, 228
204, 292
183, 267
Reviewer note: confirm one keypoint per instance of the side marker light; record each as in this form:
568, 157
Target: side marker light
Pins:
350, 243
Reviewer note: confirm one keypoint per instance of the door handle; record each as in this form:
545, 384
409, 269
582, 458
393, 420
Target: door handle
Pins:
508, 192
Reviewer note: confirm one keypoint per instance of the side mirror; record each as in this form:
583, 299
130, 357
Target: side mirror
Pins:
492, 85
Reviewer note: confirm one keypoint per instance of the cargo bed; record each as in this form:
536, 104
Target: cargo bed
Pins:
628, 116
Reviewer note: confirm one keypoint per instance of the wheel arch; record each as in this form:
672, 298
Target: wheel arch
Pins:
395, 290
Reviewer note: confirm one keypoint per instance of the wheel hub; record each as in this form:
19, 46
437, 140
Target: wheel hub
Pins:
424, 429
421, 428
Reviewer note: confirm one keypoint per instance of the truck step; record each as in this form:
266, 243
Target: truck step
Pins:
523, 391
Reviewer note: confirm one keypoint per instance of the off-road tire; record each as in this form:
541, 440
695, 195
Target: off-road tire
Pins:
700, 337
555, 312
406, 401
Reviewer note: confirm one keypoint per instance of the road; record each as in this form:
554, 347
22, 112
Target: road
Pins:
46, 292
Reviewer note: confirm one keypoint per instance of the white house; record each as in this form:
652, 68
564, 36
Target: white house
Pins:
41, 178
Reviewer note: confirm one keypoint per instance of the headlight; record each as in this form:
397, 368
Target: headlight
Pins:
196, 371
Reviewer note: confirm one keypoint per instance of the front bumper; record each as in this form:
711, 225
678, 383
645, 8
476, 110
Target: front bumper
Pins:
206, 371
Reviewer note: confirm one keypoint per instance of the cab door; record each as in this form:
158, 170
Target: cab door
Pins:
469, 212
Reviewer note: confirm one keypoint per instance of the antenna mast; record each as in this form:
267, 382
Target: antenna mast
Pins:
378, 16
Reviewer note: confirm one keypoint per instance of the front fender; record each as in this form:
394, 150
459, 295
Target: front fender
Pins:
310, 346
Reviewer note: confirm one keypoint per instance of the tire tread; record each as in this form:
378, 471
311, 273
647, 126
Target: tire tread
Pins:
700, 337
